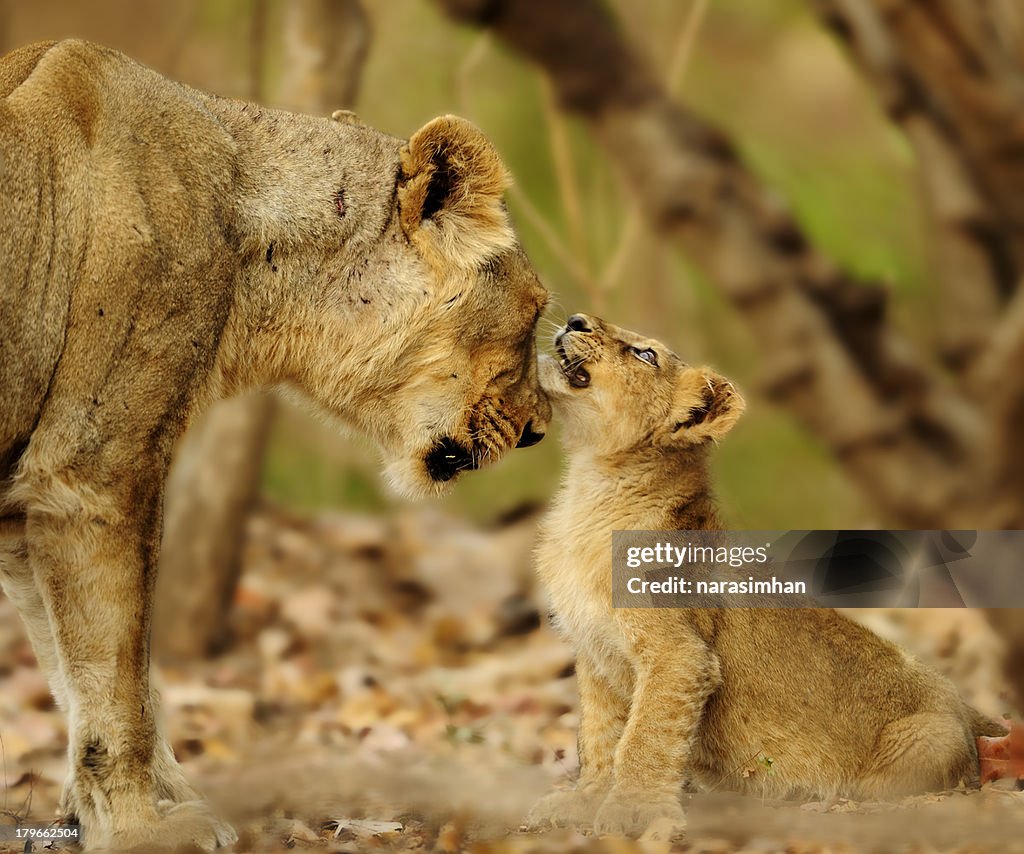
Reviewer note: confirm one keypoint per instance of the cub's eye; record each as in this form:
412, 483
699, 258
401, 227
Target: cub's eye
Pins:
647, 355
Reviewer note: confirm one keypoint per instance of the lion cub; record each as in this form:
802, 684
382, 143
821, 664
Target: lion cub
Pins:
778, 703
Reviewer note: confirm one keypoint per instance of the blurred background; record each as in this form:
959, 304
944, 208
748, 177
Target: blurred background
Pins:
822, 198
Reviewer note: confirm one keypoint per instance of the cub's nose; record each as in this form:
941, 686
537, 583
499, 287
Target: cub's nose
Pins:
529, 437
578, 323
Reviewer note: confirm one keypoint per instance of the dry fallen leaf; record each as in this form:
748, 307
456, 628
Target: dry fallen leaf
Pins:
364, 828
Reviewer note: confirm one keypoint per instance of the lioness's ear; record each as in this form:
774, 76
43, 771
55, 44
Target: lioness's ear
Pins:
706, 406
449, 195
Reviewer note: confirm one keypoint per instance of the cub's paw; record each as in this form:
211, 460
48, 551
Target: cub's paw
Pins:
174, 826
573, 808
195, 823
638, 813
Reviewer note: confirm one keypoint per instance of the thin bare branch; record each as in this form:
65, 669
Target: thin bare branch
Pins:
625, 248
549, 234
467, 68
999, 371
569, 260
682, 54
568, 184
257, 49
998, 383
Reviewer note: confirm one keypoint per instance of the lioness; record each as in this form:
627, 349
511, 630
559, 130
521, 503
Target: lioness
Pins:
163, 248
703, 694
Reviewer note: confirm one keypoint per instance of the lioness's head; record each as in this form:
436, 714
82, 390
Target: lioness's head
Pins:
471, 389
419, 325
617, 391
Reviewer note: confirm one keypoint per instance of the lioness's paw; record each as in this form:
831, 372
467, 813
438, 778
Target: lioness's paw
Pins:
573, 808
169, 781
67, 805
633, 814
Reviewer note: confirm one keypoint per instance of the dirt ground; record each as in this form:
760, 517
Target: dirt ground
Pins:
394, 686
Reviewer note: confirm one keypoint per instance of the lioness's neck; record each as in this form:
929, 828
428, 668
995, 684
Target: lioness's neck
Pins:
312, 199
305, 179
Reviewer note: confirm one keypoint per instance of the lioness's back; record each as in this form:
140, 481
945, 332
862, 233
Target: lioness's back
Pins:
31, 325
107, 170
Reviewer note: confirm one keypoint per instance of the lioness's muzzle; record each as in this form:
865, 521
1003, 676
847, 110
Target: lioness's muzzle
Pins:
447, 459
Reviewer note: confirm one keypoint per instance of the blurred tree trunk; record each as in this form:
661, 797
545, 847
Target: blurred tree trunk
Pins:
213, 485
215, 480
326, 42
949, 72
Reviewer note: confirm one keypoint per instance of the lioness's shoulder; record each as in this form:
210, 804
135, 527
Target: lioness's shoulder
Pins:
68, 61
87, 80
17, 65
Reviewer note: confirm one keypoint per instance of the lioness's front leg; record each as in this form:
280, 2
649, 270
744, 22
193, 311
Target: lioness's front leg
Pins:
94, 560
19, 585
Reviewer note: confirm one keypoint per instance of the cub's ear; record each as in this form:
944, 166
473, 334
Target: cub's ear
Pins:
706, 406
449, 193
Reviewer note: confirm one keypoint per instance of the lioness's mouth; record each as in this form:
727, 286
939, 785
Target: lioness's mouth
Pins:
447, 458
576, 375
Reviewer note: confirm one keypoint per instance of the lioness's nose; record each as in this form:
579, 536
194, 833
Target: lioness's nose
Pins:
529, 437
578, 323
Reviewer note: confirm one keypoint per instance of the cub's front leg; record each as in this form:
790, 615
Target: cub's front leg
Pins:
93, 555
604, 707
673, 682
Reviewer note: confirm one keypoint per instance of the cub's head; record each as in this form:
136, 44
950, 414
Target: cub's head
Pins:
422, 331
617, 391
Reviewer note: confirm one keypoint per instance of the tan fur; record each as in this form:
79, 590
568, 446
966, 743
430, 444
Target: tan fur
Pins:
777, 703
163, 248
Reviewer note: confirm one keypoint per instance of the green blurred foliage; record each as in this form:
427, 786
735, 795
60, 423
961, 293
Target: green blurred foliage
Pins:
802, 120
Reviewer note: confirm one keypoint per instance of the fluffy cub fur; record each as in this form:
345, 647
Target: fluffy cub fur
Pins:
708, 696
162, 248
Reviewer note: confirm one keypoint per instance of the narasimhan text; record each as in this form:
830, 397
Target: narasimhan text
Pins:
680, 584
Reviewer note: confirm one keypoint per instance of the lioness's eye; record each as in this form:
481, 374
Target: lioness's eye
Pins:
647, 355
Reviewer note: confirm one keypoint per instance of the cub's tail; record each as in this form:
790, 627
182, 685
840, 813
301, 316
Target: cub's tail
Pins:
984, 725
